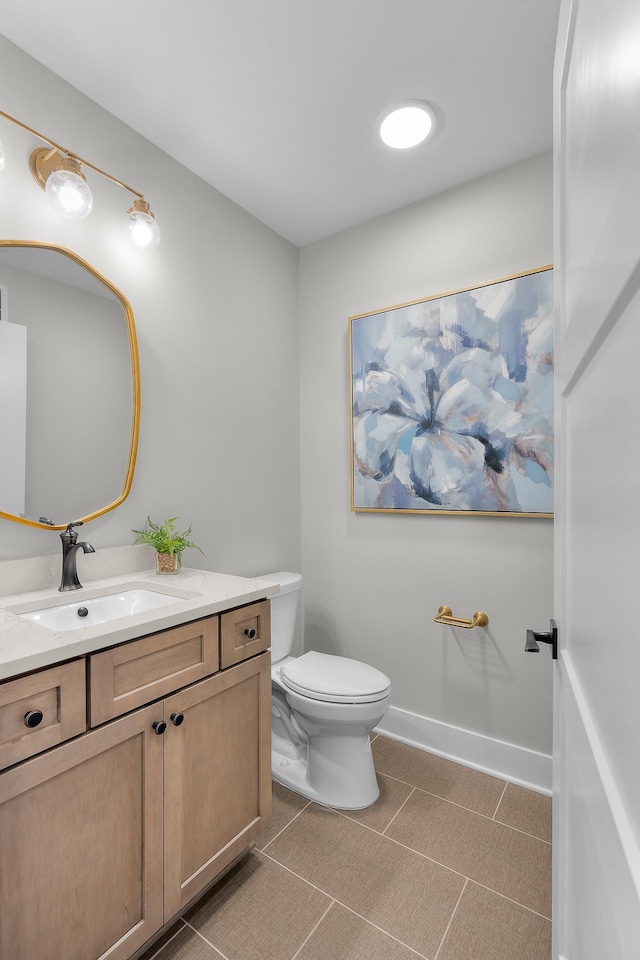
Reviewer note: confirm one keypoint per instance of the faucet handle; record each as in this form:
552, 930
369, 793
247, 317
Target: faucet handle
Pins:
69, 532
69, 536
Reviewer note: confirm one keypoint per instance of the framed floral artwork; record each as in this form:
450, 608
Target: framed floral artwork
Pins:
452, 402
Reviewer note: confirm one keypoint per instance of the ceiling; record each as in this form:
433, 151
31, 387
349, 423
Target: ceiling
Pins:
276, 102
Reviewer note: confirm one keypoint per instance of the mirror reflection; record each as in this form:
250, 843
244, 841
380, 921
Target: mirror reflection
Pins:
68, 387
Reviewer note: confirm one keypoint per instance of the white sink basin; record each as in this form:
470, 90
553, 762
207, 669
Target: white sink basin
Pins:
89, 611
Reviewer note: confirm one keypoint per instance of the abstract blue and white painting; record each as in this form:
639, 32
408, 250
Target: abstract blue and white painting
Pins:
452, 401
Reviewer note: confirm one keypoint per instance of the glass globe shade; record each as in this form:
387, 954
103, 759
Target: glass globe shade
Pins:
142, 229
3, 156
69, 194
406, 126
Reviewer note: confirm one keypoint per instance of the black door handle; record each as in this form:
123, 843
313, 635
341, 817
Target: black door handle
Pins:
533, 639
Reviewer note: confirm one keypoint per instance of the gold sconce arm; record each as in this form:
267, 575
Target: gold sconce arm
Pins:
445, 615
40, 162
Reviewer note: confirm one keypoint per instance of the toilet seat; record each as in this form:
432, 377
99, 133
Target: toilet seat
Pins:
321, 676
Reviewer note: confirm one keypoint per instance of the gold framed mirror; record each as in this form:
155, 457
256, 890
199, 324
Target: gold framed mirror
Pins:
69, 388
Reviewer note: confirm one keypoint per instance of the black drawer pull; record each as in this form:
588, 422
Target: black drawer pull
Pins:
33, 717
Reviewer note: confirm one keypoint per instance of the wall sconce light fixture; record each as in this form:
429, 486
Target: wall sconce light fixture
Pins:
59, 173
62, 180
142, 228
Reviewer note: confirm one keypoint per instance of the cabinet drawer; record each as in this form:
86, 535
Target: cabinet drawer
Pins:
136, 673
58, 694
244, 632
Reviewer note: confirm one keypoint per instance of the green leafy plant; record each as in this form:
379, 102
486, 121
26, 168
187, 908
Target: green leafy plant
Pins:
165, 538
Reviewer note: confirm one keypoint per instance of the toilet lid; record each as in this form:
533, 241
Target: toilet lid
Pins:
334, 679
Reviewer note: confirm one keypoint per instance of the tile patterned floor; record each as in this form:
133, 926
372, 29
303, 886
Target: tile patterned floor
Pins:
449, 864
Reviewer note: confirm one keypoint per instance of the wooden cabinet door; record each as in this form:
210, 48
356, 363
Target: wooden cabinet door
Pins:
217, 775
81, 845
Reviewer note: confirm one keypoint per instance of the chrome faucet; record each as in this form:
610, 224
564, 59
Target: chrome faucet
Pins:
69, 550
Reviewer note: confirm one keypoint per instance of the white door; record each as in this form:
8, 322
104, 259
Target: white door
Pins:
597, 677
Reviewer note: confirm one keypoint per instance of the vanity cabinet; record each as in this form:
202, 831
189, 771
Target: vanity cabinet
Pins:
107, 837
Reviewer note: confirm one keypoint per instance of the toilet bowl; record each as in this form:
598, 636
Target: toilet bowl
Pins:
323, 709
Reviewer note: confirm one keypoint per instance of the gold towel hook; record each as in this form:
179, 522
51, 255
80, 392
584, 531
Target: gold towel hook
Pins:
445, 615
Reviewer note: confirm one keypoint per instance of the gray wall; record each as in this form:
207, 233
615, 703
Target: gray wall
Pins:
216, 314
223, 408
373, 582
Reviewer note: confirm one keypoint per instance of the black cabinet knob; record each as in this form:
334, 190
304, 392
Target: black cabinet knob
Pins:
159, 726
33, 717
250, 632
176, 719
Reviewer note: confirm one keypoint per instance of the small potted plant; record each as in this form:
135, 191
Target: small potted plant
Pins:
167, 543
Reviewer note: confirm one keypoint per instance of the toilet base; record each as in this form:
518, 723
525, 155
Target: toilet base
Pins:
355, 789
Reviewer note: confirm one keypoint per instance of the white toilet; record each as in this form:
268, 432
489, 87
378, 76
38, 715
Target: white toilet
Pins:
323, 710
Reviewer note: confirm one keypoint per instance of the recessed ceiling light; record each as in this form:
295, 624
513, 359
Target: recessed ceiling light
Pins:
407, 124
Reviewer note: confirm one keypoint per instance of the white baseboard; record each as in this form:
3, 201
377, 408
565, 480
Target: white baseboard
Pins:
495, 757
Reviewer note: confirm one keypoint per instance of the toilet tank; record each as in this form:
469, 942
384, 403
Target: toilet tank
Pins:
284, 606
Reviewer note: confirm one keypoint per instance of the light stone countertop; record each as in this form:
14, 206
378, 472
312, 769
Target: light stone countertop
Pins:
26, 646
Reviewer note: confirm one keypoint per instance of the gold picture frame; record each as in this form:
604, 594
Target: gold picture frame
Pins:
452, 402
